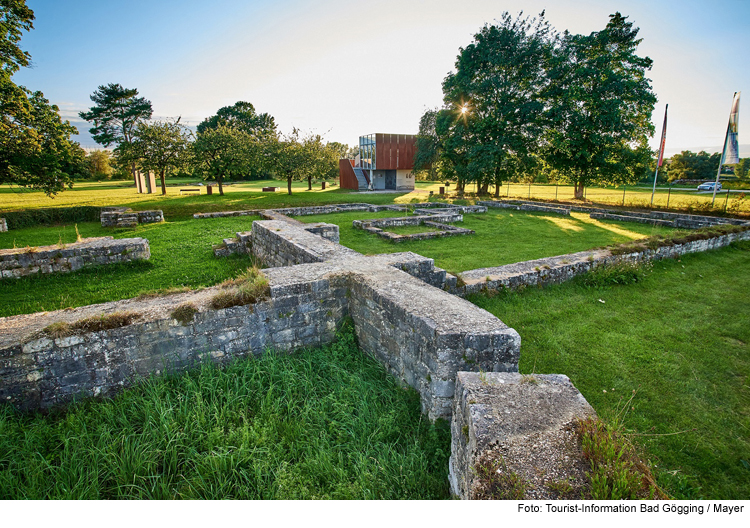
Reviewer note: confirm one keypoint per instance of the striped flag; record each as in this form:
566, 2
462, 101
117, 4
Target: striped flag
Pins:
731, 154
663, 138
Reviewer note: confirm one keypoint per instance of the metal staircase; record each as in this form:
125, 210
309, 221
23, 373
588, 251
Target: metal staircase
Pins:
362, 178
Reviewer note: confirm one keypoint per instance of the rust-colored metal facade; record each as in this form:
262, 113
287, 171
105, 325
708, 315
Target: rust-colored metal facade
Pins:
347, 179
394, 151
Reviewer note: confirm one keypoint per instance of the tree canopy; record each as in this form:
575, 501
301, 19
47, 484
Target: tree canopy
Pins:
688, 165
240, 116
599, 107
160, 146
116, 114
225, 152
523, 96
35, 146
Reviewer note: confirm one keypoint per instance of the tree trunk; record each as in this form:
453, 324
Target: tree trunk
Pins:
309, 183
163, 184
498, 184
484, 188
220, 182
578, 191
289, 184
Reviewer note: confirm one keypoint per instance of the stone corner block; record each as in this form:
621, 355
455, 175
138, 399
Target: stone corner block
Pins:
516, 423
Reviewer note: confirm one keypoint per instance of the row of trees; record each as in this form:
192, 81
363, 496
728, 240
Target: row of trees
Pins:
526, 99
688, 165
234, 143
36, 150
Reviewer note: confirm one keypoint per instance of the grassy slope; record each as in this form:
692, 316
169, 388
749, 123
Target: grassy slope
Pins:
323, 423
502, 237
679, 339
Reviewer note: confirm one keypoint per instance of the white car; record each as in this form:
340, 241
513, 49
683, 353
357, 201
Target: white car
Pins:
709, 186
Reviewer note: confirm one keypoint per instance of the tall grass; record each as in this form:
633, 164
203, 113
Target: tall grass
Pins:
678, 335
327, 423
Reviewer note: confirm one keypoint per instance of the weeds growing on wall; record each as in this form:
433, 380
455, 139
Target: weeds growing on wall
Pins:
327, 423
249, 287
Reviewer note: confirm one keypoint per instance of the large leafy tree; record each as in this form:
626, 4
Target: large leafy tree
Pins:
299, 158
160, 146
240, 116
226, 152
116, 116
495, 94
256, 130
599, 105
35, 146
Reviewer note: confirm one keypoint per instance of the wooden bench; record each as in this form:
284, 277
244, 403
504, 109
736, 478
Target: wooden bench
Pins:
190, 190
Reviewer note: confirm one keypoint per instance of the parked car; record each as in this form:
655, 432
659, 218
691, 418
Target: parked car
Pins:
709, 186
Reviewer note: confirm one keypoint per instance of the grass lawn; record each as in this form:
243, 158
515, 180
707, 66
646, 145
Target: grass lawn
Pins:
634, 196
243, 195
181, 256
328, 423
502, 237
679, 338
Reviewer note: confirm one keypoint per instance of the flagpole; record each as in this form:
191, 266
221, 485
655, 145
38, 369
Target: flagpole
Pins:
724, 149
661, 153
718, 172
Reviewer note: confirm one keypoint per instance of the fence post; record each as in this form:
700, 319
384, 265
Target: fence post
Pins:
623, 195
529, 190
508, 193
669, 194
556, 186
726, 201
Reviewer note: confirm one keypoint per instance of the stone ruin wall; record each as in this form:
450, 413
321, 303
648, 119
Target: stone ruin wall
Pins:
20, 262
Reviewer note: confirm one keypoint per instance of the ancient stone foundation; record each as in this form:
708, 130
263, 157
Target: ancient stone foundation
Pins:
19, 262
125, 217
421, 333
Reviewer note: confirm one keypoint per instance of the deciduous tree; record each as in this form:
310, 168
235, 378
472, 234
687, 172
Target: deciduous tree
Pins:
496, 92
599, 105
161, 146
225, 152
35, 146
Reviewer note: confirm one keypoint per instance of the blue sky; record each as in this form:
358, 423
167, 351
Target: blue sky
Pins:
343, 68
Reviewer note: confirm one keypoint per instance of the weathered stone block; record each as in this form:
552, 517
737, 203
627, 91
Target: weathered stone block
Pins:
516, 424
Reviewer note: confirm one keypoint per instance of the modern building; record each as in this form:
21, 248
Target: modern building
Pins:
385, 161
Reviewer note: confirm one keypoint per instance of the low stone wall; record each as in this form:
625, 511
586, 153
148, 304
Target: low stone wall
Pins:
125, 217
559, 269
39, 371
520, 205
522, 425
280, 243
3, 225
19, 262
424, 338
632, 218
676, 220
407, 220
